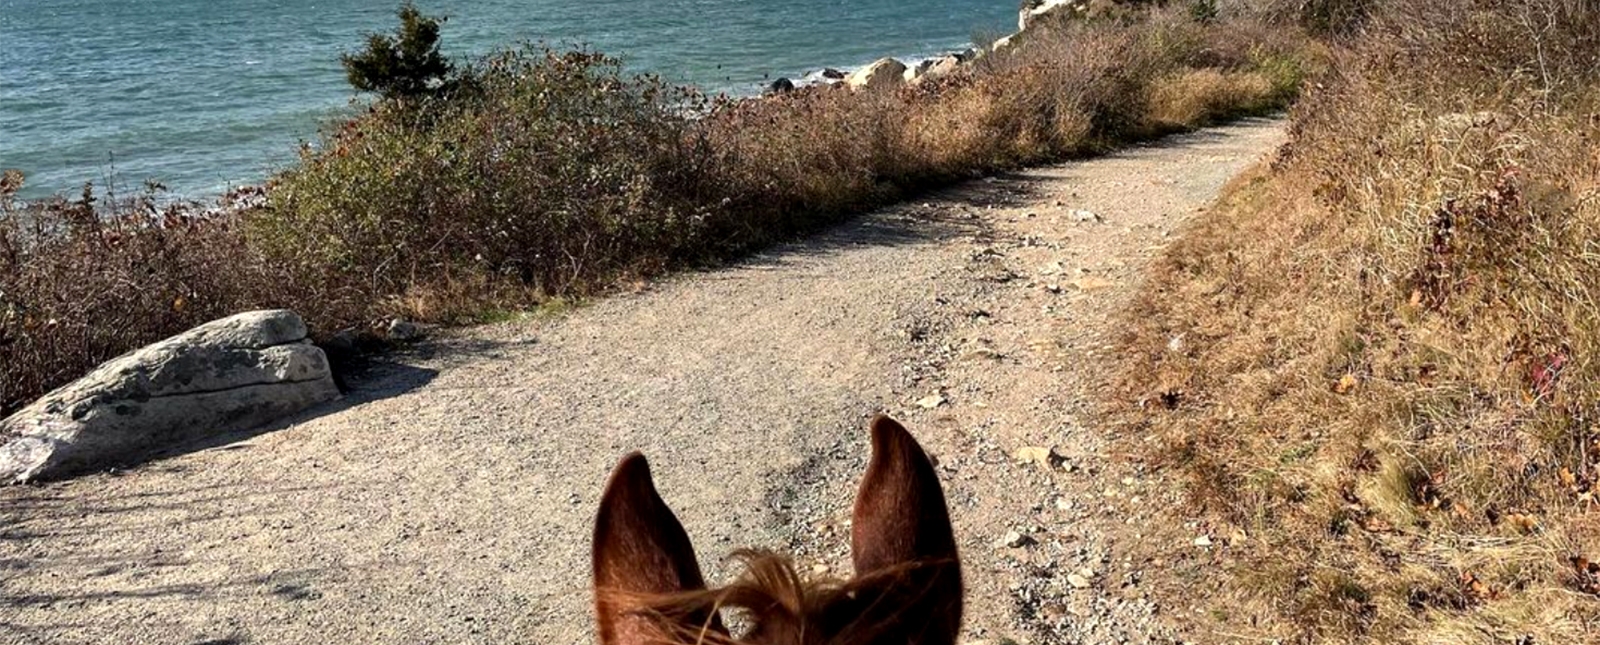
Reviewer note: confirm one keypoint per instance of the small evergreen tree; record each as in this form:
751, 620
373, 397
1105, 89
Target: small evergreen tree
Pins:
405, 65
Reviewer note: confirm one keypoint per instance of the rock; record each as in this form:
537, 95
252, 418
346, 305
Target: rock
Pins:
931, 401
1032, 11
885, 73
1080, 215
1175, 344
1203, 541
1014, 540
1077, 581
224, 376
1002, 43
342, 342
404, 330
831, 73
781, 86
932, 68
982, 352
1044, 456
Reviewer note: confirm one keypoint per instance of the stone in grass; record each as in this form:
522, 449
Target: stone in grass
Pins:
224, 376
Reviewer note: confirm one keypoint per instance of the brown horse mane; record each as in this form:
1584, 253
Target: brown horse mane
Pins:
771, 589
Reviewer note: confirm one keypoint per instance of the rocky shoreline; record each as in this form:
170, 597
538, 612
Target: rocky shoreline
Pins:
891, 72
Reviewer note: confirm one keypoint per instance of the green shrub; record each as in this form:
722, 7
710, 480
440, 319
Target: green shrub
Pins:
405, 65
545, 168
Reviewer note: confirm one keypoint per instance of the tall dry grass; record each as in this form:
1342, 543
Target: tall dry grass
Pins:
545, 174
1378, 361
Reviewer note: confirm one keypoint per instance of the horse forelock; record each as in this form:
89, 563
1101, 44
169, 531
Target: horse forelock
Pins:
779, 605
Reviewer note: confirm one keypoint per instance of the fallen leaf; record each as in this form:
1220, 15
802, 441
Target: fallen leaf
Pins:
1545, 373
1475, 587
1522, 522
1567, 478
1346, 384
1586, 574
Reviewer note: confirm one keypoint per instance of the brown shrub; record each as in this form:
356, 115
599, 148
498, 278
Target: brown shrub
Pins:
80, 285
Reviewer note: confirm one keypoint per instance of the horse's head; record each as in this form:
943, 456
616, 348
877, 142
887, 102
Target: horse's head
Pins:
907, 588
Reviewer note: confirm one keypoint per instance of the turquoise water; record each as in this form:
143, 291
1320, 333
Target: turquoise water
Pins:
206, 94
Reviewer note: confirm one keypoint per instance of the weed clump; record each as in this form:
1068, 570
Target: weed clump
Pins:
1390, 341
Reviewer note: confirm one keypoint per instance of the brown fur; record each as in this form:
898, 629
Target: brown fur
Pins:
907, 591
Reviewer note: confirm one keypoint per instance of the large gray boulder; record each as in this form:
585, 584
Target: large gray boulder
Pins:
933, 68
1034, 10
885, 73
224, 376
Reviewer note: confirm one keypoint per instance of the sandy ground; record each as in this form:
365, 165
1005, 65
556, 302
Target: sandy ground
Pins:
448, 498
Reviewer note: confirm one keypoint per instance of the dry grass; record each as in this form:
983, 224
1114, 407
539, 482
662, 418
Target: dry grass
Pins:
1379, 359
1204, 95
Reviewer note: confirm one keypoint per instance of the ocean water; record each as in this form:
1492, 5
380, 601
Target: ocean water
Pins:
206, 94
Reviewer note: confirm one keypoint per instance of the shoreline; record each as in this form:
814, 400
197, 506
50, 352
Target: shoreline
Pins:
209, 199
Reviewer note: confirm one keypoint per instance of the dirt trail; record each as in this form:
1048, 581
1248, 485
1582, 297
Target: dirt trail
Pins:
449, 498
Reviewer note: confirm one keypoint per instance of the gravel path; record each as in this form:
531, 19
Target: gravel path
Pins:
448, 499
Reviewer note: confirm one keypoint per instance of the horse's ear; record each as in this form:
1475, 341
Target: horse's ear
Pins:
902, 524
640, 549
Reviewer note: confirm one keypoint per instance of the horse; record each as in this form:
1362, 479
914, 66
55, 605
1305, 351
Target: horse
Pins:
907, 587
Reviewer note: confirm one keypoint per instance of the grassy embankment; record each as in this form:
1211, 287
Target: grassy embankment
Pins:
545, 175
1377, 362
